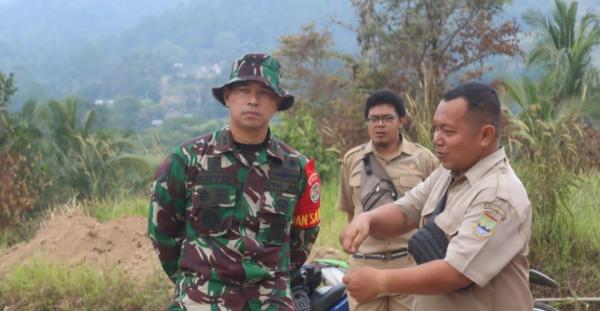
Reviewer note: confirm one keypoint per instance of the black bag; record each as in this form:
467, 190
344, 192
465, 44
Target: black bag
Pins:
376, 188
430, 243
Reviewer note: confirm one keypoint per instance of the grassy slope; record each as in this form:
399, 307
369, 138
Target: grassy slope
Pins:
58, 287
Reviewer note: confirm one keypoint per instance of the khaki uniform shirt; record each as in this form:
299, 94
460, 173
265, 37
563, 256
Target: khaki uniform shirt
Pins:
488, 221
407, 167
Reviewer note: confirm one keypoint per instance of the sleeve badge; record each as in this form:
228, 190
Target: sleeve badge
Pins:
484, 227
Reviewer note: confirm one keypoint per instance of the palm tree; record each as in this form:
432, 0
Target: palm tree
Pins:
84, 160
564, 49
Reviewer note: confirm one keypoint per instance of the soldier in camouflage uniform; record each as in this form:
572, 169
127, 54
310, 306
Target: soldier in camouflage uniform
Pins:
234, 213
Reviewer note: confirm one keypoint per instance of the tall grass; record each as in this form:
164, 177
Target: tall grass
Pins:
40, 285
332, 219
585, 206
108, 209
565, 240
579, 275
568, 252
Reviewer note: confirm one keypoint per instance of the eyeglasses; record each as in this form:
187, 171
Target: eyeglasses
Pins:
385, 119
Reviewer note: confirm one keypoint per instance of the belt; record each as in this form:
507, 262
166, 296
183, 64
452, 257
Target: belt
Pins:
383, 255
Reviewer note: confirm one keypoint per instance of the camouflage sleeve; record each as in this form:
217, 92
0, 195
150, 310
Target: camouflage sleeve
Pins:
307, 216
165, 217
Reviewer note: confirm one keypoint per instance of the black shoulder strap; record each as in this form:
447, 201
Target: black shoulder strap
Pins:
441, 206
367, 165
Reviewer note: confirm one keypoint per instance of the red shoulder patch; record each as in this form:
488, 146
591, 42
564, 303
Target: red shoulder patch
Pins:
307, 213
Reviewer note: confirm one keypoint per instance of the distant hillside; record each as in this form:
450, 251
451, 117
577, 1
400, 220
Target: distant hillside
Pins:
106, 49
40, 40
103, 49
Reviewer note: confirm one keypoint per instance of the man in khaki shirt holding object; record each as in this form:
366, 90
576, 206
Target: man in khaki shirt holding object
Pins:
480, 208
406, 165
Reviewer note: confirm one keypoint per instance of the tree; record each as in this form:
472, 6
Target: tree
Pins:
564, 49
312, 67
83, 161
546, 136
411, 46
326, 81
17, 192
417, 44
6, 91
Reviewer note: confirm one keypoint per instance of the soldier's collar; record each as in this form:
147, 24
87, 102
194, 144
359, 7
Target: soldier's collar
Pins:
273, 148
224, 143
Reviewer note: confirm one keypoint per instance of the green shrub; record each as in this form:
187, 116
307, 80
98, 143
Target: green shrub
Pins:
302, 133
332, 219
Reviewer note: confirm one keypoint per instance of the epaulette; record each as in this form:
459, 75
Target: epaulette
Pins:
502, 188
198, 143
202, 139
354, 150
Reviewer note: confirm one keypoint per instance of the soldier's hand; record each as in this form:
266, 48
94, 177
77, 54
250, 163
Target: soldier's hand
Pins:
363, 283
354, 233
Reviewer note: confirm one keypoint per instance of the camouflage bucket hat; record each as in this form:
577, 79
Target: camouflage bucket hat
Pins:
257, 67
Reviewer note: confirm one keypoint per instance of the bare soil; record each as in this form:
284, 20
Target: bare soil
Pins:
75, 239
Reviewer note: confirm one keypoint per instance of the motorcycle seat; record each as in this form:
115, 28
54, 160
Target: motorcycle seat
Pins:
326, 296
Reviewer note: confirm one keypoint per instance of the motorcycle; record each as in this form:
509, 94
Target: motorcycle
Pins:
538, 278
319, 287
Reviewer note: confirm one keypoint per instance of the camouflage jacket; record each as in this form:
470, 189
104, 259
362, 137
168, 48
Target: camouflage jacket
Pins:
230, 233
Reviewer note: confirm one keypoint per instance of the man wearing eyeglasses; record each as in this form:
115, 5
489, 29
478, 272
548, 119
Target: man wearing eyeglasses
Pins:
377, 172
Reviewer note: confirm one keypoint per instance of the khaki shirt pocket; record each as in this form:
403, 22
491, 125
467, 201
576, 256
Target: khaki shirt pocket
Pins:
449, 223
407, 182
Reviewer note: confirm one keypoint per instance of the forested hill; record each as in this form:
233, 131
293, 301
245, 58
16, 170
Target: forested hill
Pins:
103, 49
96, 49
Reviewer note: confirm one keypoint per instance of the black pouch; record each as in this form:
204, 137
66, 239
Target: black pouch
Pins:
381, 193
376, 186
428, 243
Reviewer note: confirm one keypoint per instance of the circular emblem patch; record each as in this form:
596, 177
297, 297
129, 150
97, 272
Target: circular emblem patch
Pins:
315, 192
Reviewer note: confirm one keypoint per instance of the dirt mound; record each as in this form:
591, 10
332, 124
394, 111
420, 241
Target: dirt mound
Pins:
75, 239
